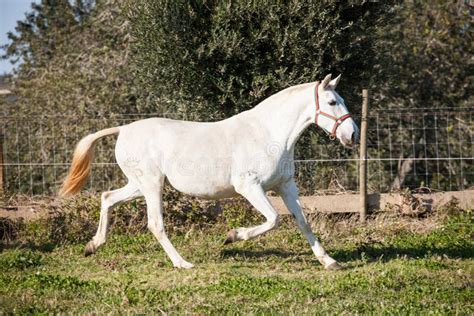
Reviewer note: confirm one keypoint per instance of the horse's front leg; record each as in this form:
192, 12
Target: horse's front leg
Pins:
289, 192
255, 194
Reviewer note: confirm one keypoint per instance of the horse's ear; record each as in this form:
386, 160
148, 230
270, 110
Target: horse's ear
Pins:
334, 82
326, 81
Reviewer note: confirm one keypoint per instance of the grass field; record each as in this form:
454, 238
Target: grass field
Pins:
395, 265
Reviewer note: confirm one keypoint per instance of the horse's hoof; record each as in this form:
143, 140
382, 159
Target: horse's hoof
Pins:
90, 249
334, 266
184, 265
231, 237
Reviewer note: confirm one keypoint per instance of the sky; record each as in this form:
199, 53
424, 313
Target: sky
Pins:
10, 12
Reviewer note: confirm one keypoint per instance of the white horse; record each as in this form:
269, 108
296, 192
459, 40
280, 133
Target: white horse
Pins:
247, 154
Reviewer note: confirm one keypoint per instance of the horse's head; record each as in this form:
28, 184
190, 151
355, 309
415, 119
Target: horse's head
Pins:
332, 115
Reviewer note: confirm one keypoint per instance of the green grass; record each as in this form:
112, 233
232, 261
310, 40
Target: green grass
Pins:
395, 265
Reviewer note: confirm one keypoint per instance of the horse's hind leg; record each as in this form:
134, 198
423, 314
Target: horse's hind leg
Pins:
154, 201
108, 200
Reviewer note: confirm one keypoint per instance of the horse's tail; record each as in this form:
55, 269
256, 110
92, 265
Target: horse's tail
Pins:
81, 162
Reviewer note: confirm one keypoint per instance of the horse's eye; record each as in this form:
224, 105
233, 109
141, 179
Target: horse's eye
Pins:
333, 102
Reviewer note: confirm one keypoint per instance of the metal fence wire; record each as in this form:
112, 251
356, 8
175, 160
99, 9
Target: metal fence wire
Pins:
406, 148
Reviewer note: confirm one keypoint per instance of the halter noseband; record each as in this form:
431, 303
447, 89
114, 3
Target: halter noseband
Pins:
337, 120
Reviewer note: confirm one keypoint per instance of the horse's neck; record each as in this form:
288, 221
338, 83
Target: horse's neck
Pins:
286, 115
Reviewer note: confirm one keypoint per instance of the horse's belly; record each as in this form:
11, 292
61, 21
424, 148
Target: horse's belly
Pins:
207, 181
209, 193
202, 188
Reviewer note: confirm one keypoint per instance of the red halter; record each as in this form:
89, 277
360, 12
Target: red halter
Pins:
337, 120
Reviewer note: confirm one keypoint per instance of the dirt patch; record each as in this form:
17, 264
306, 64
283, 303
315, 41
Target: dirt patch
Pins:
25, 207
33, 208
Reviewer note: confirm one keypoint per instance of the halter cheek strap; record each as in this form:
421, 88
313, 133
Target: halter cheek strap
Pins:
337, 120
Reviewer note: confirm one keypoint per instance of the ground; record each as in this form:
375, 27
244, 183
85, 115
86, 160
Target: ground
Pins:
395, 265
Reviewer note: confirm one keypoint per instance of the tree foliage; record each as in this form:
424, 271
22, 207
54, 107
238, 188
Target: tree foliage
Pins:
45, 31
76, 59
425, 56
219, 58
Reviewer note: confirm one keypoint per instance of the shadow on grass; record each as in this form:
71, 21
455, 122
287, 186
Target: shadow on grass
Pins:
385, 253
262, 254
45, 247
369, 252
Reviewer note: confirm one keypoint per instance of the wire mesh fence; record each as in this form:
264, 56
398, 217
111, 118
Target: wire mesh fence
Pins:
421, 148
406, 148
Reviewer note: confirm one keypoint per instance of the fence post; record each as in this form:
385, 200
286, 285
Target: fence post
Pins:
1, 161
363, 156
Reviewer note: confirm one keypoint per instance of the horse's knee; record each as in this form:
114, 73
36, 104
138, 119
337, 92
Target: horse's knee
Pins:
303, 225
158, 231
